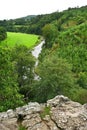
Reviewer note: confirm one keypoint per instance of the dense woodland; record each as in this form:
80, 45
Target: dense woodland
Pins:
62, 64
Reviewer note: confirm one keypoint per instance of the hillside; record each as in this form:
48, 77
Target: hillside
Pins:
34, 24
63, 61
62, 64
70, 49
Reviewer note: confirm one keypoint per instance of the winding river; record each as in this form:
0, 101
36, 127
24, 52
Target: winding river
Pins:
35, 52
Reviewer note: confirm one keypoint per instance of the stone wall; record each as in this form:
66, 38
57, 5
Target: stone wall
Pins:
61, 114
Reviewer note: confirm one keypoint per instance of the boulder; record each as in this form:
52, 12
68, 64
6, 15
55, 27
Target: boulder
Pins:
63, 114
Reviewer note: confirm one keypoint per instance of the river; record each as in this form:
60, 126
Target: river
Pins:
35, 52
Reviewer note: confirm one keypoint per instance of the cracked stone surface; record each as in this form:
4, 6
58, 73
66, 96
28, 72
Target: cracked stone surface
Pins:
64, 115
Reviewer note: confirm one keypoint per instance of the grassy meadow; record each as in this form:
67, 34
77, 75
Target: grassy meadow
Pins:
13, 39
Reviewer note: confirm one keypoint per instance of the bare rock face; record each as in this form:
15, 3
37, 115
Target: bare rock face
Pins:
68, 115
63, 114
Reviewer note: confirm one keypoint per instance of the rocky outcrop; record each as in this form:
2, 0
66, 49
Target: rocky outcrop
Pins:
59, 113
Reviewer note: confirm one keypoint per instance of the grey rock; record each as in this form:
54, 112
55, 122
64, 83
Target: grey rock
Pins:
64, 115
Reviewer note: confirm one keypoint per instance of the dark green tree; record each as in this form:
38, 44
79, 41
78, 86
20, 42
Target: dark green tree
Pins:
9, 91
49, 32
24, 67
3, 33
56, 78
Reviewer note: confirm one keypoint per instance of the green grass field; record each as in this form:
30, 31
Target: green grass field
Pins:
13, 39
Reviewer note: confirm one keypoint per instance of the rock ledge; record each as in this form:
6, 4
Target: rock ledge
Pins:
64, 115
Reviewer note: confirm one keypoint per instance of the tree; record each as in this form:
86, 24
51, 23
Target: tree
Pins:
9, 92
3, 33
49, 32
24, 67
56, 78
82, 79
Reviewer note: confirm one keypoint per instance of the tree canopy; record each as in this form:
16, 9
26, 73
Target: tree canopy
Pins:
3, 33
9, 91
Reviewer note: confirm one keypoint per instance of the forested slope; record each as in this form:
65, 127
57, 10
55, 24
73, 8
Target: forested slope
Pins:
63, 61
34, 24
62, 64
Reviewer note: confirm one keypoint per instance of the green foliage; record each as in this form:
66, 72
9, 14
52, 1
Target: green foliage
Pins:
3, 33
24, 65
21, 127
82, 79
63, 62
50, 32
56, 78
70, 44
34, 24
78, 94
45, 112
9, 92
81, 96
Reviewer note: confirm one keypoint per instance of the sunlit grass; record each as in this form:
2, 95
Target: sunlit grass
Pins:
13, 39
